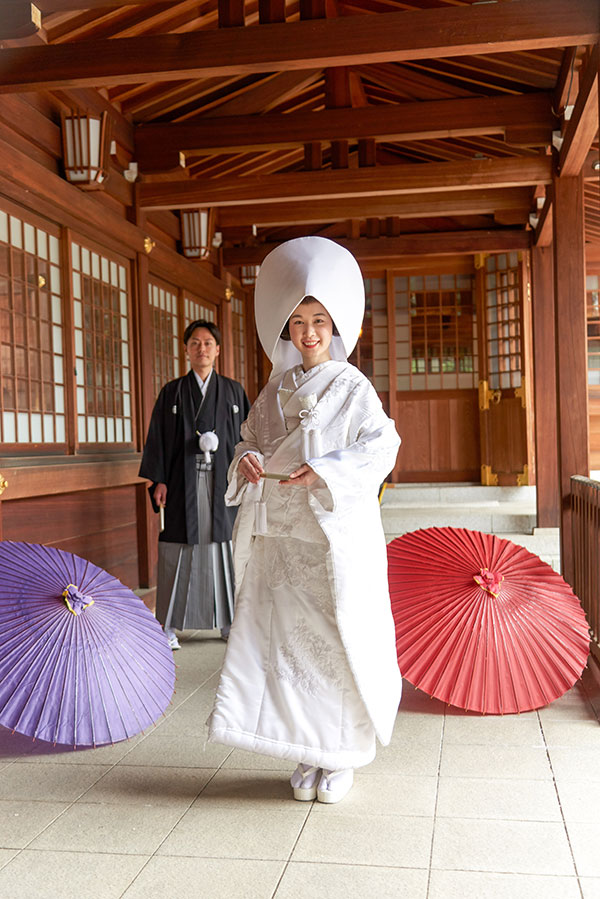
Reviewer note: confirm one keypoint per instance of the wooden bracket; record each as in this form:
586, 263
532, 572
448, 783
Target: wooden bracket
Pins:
487, 396
523, 478
521, 392
489, 478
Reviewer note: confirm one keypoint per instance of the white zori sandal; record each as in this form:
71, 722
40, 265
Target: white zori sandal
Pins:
334, 785
304, 781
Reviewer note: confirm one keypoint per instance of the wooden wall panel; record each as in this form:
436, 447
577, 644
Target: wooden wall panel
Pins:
440, 436
99, 525
594, 413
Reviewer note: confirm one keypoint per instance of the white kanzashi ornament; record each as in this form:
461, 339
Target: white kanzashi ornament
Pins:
209, 443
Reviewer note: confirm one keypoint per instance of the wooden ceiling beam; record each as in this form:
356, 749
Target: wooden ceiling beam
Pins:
334, 184
581, 128
421, 34
451, 203
440, 244
402, 122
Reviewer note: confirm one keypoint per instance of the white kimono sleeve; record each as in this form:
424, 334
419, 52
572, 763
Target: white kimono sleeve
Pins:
359, 468
238, 485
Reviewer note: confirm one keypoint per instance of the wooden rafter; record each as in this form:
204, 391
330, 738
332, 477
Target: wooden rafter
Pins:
368, 182
431, 33
270, 91
403, 122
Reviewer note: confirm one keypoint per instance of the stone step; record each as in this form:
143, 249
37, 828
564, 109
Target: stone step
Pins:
436, 494
508, 512
496, 518
544, 542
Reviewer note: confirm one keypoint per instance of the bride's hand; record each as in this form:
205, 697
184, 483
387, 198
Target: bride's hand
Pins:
301, 477
250, 468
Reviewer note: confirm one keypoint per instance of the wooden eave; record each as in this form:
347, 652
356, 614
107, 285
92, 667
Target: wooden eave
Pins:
433, 115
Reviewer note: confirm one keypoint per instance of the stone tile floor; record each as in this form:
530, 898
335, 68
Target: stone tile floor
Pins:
457, 806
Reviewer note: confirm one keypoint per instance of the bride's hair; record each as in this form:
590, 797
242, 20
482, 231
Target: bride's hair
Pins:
285, 333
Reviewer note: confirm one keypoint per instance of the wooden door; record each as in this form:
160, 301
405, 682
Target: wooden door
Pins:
418, 345
505, 370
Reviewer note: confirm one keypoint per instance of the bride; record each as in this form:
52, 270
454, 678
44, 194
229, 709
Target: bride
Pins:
310, 672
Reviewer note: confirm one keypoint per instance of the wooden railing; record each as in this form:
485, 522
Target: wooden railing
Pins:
585, 503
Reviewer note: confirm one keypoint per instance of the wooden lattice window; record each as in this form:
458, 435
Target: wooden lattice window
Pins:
593, 329
165, 333
102, 351
32, 395
436, 333
195, 310
503, 320
239, 340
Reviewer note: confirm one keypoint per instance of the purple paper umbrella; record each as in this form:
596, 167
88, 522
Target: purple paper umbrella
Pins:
82, 660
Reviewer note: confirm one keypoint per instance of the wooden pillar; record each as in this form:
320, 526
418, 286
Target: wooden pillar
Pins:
392, 361
571, 349
227, 366
251, 349
147, 524
231, 13
271, 11
338, 96
544, 380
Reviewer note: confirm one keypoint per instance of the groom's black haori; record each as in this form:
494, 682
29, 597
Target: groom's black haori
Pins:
194, 548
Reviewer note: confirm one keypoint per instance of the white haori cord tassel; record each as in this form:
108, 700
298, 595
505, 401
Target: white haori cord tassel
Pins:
311, 432
208, 443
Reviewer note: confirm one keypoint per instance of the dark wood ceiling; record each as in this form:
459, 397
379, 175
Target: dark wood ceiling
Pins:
358, 119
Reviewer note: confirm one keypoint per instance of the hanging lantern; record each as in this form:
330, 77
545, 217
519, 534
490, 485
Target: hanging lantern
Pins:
197, 227
249, 274
86, 141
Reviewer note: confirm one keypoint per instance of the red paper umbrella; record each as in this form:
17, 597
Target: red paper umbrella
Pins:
483, 624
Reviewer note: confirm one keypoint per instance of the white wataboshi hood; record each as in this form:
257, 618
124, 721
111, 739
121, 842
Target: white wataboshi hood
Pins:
308, 267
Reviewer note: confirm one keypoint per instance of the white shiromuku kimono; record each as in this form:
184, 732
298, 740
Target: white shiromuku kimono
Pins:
311, 671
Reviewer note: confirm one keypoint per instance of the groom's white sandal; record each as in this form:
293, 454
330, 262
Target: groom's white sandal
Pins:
334, 785
304, 780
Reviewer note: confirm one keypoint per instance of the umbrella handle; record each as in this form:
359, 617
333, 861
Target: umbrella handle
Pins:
161, 515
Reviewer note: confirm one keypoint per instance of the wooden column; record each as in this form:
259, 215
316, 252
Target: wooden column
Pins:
392, 362
546, 450
338, 96
271, 11
226, 358
571, 349
231, 13
147, 523
367, 156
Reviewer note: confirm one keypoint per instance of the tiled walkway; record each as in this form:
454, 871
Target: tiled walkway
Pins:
457, 806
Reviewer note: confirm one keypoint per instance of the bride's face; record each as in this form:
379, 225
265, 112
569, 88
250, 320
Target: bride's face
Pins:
311, 330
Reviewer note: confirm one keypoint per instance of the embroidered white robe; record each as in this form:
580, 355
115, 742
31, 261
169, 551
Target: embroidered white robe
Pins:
311, 671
